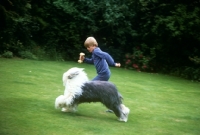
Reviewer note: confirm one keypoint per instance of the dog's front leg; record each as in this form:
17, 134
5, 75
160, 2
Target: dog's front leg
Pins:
65, 109
71, 108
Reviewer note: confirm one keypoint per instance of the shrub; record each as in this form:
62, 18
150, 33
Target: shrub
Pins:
138, 61
190, 73
39, 52
194, 73
7, 54
53, 54
195, 59
27, 55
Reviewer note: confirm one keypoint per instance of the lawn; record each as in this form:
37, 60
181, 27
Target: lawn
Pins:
159, 104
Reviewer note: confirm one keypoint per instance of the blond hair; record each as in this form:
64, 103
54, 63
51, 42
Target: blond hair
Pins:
90, 41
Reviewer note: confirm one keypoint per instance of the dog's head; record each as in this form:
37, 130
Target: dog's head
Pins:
71, 73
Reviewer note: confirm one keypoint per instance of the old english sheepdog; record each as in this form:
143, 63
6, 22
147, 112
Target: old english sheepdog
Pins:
78, 89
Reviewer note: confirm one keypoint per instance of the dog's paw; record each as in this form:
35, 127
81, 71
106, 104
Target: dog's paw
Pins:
125, 113
65, 110
123, 119
68, 110
109, 111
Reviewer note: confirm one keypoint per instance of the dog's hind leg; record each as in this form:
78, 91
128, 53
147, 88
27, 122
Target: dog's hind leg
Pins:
124, 113
110, 111
116, 109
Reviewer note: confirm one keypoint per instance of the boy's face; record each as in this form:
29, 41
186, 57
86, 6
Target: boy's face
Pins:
91, 48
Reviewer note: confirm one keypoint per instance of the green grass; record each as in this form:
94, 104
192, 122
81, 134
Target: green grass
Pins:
159, 104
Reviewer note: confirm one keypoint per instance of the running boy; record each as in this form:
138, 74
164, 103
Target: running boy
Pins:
100, 59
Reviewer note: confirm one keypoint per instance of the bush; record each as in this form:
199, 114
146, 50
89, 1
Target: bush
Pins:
7, 54
186, 72
195, 59
138, 61
27, 55
191, 73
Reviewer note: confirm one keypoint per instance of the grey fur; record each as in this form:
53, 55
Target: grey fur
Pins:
101, 91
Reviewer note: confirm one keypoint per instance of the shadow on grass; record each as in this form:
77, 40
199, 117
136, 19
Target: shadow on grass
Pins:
86, 114
13, 109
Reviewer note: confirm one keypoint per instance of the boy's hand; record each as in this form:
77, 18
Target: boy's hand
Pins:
117, 64
81, 57
82, 54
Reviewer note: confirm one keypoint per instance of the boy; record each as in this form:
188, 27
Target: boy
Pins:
100, 59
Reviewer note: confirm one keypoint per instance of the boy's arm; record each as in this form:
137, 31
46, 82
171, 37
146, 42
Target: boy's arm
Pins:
108, 58
111, 61
88, 60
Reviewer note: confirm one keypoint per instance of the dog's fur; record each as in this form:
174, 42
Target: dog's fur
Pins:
78, 89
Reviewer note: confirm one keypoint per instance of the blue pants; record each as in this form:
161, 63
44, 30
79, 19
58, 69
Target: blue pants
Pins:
104, 77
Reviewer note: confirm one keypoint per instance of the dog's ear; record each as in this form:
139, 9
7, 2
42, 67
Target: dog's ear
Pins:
72, 75
75, 74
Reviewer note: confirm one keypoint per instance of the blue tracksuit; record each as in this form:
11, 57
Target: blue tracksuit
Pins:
101, 60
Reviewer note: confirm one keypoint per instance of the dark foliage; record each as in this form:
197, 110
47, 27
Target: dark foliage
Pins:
155, 36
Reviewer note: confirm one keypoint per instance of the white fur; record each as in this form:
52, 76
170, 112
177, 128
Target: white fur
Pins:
60, 101
73, 88
124, 115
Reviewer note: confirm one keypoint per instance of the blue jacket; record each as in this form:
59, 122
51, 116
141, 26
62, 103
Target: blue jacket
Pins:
101, 60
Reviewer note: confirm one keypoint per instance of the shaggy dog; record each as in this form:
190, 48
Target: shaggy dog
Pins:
78, 89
